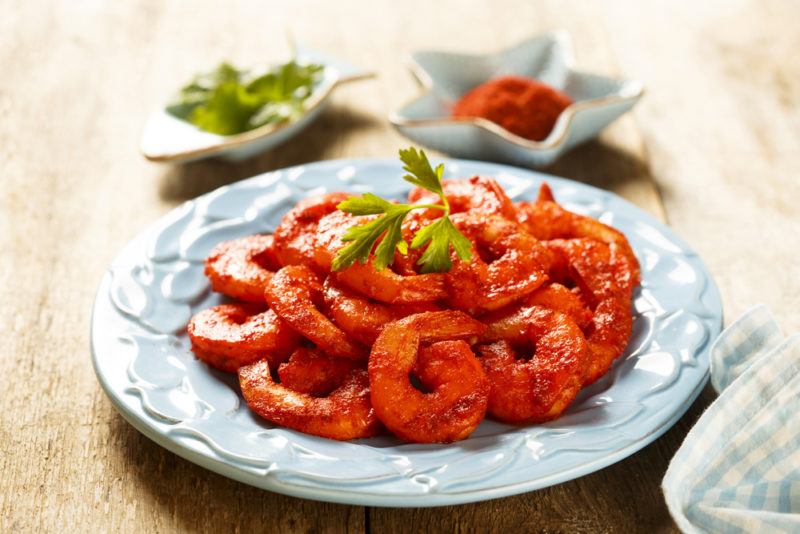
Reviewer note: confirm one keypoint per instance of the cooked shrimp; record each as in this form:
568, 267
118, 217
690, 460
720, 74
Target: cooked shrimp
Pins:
232, 335
507, 264
344, 414
478, 194
294, 293
388, 286
559, 298
310, 371
369, 348
330, 230
243, 267
608, 336
362, 318
408, 264
598, 269
296, 235
542, 387
458, 389
607, 283
546, 220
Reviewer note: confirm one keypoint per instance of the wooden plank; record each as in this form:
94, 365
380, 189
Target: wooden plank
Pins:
718, 127
97, 470
73, 190
721, 122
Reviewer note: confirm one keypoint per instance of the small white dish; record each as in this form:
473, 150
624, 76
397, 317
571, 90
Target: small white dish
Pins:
445, 76
167, 138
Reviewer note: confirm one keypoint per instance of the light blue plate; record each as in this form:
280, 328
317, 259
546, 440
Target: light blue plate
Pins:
142, 358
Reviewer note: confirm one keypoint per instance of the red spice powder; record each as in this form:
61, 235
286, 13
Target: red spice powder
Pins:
522, 106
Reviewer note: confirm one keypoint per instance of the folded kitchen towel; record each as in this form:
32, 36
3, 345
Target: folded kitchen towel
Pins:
739, 468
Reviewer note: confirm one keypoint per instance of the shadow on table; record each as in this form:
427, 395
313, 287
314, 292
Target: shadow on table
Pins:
600, 164
595, 162
186, 181
192, 499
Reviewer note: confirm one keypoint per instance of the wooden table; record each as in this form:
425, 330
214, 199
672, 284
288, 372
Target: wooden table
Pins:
713, 148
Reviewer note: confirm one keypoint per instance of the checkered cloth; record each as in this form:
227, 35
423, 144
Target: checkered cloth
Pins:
739, 468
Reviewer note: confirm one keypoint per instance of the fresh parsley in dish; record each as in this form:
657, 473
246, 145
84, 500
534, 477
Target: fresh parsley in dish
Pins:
229, 101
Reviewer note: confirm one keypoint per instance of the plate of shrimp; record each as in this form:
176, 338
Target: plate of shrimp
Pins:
574, 333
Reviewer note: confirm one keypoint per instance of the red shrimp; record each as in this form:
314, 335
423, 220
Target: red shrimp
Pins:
310, 371
294, 293
607, 336
546, 220
478, 194
559, 298
606, 281
243, 267
232, 335
507, 264
362, 318
296, 235
408, 264
330, 230
539, 388
388, 286
599, 270
457, 387
344, 414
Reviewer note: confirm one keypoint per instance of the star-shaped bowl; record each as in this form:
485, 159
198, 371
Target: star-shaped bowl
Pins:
597, 101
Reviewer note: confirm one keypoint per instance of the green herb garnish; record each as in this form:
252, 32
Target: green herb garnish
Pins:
440, 235
228, 101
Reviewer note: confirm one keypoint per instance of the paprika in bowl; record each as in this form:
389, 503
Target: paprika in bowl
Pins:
526, 105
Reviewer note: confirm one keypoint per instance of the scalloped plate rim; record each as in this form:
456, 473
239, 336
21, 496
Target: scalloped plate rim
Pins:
354, 498
348, 495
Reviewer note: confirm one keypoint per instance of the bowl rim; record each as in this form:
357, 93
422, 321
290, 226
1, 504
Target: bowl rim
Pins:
632, 90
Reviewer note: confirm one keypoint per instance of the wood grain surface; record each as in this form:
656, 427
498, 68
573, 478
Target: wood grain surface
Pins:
713, 148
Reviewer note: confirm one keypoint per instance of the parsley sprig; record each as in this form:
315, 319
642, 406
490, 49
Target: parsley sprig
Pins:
439, 235
228, 101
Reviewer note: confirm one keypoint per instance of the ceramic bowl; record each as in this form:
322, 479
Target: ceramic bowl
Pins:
169, 139
597, 101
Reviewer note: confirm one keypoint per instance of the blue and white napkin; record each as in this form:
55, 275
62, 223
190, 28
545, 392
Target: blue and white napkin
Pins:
739, 468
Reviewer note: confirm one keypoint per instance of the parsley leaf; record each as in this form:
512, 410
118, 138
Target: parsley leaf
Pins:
200, 90
367, 204
363, 237
228, 101
422, 174
227, 110
439, 235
